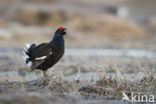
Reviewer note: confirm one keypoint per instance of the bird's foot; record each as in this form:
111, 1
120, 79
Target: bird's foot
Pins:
44, 81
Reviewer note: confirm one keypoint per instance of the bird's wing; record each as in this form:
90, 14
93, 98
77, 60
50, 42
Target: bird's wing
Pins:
39, 54
41, 51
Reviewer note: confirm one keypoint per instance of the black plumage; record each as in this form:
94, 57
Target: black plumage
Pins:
45, 55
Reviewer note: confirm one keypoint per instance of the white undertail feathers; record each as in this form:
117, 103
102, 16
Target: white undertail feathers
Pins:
25, 56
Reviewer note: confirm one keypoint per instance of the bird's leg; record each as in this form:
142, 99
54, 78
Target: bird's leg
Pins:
44, 73
44, 76
45, 80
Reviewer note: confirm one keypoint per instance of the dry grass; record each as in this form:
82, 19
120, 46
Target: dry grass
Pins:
80, 78
75, 78
105, 88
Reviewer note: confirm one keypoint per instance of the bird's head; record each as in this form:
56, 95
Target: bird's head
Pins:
60, 31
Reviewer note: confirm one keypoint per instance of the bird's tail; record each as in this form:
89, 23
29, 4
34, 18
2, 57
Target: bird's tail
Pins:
27, 54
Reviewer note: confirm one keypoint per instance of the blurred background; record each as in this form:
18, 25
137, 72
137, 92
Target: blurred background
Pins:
91, 24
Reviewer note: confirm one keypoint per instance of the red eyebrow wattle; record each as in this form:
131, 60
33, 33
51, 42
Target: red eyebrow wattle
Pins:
61, 28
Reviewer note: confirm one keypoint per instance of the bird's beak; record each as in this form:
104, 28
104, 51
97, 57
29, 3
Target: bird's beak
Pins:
65, 31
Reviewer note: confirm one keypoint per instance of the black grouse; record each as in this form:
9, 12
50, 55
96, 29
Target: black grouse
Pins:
45, 55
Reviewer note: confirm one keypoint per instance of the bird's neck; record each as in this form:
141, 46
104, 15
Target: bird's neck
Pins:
56, 38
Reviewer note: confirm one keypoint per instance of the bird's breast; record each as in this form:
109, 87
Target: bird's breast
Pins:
59, 49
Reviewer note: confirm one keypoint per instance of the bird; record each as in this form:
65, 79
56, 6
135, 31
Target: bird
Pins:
45, 55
